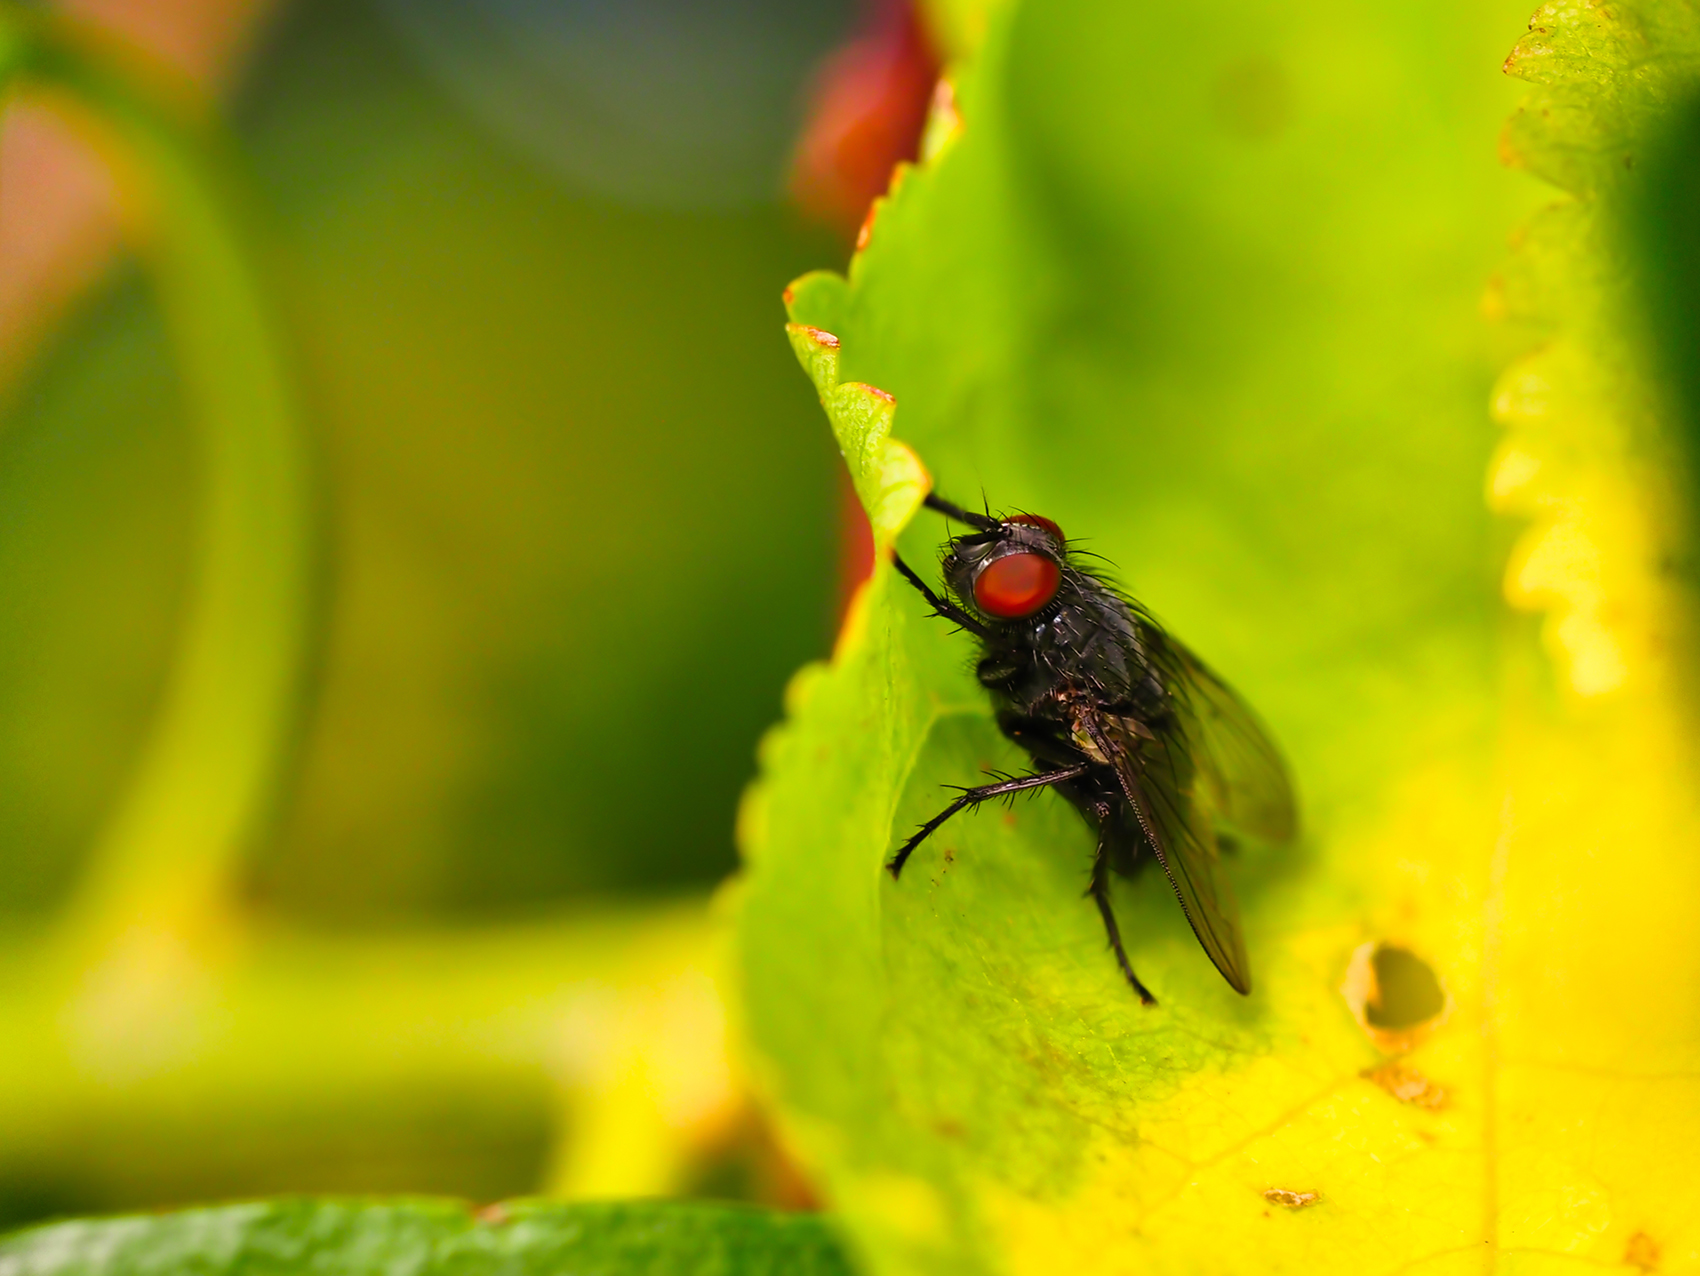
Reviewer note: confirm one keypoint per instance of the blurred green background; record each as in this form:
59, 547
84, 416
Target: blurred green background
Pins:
579, 524
579, 515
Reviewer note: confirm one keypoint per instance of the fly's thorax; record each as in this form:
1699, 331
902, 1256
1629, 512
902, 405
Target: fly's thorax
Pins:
1086, 639
1047, 624
1096, 641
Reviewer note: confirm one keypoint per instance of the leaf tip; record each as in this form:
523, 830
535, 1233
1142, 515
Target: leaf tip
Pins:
903, 484
818, 336
816, 299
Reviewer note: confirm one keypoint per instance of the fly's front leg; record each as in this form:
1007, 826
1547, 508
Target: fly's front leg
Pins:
1100, 893
973, 797
941, 606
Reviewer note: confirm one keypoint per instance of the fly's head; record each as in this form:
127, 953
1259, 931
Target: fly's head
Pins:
1010, 571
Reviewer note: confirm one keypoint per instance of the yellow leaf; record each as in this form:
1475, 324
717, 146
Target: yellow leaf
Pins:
1243, 362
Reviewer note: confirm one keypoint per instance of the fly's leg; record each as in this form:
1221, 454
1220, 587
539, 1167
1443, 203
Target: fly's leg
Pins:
941, 606
1100, 893
950, 509
973, 797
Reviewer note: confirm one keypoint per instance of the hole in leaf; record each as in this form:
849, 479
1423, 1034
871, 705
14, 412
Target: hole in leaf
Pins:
1409, 991
1395, 996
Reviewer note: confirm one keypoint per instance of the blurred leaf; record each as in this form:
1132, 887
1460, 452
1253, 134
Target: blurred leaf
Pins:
579, 530
1595, 1019
959, 25
1204, 285
424, 1238
582, 529
525, 399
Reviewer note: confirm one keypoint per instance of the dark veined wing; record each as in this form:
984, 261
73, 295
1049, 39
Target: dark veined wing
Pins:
1159, 778
1240, 776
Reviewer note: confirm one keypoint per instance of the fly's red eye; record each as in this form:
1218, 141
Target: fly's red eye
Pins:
1016, 585
1038, 520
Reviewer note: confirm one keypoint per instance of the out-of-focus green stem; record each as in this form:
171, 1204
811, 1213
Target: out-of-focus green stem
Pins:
166, 858
431, 1061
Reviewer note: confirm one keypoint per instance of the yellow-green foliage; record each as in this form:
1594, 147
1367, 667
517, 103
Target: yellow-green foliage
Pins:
435, 1238
1204, 283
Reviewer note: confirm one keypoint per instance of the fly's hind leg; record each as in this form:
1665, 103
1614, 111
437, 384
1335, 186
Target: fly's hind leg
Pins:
1100, 893
973, 797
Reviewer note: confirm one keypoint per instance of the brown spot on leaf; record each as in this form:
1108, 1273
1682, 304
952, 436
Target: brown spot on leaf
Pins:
819, 336
493, 1215
1407, 1085
788, 296
1642, 1252
1290, 1199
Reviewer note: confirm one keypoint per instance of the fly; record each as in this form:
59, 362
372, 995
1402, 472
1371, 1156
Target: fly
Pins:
1156, 752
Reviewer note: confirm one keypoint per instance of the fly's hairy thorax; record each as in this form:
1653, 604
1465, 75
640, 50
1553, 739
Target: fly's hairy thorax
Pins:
1087, 647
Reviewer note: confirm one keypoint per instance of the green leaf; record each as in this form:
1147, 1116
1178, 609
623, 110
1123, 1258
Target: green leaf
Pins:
888, 478
434, 1238
1204, 284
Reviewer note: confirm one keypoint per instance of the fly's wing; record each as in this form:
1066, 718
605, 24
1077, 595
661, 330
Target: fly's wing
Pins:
1239, 773
1158, 777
